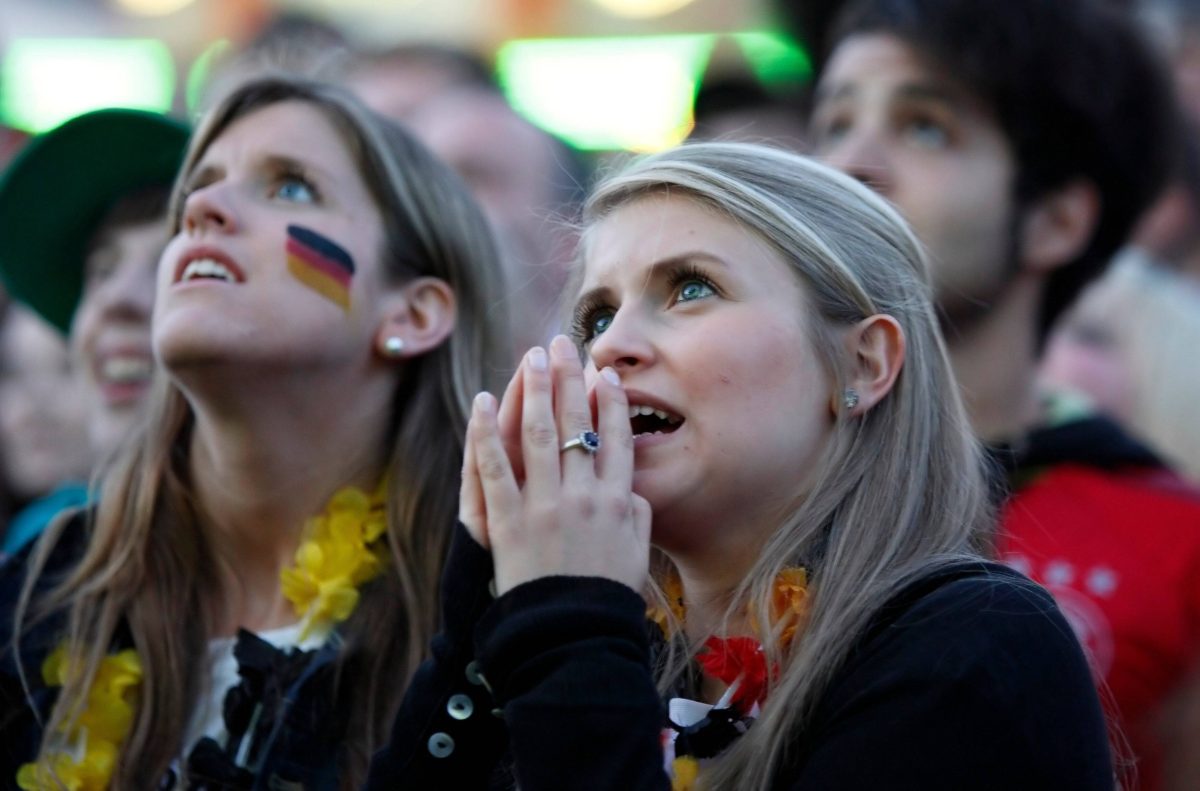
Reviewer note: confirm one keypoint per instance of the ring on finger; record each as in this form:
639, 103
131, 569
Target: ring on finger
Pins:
585, 440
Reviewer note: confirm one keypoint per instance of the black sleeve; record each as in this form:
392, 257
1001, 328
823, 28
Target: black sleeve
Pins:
445, 734
25, 703
569, 661
980, 684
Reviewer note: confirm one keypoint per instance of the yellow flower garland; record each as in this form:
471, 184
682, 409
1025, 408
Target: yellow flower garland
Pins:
92, 743
684, 771
342, 549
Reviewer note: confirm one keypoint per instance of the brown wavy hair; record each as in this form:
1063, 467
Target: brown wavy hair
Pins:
149, 566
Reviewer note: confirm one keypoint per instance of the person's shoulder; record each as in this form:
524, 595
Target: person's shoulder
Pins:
983, 641
960, 618
1140, 495
68, 541
65, 544
1092, 462
974, 589
988, 683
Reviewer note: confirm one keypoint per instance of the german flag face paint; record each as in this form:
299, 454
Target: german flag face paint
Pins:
320, 263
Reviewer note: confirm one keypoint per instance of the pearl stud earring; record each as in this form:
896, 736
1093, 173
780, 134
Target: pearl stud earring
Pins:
393, 346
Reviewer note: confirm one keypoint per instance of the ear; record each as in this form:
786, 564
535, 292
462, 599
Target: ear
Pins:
421, 313
875, 347
1058, 226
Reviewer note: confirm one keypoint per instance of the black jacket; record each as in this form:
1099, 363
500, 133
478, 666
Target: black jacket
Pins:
284, 708
969, 679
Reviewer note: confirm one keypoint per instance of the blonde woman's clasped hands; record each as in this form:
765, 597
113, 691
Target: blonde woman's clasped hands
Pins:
544, 510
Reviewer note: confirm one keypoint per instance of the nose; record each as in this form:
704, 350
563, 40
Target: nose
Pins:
129, 292
864, 155
626, 344
209, 208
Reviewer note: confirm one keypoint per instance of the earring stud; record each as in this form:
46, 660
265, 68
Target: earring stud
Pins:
393, 346
850, 398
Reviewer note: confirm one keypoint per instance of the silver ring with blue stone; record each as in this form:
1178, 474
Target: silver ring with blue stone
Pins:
587, 440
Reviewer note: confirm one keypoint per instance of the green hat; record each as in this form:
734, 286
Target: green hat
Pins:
58, 189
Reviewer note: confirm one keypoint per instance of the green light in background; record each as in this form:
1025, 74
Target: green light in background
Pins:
607, 93
774, 57
43, 82
198, 75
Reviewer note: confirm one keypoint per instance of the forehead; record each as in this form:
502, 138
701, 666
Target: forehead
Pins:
882, 66
290, 128
654, 228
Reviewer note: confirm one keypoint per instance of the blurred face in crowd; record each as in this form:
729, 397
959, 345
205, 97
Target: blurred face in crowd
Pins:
1084, 354
906, 128
42, 414
512, 169
506, 161
110, 334
706, 324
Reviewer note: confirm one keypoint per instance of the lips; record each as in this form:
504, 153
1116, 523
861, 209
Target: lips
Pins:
207, 263
124, 375
649, 416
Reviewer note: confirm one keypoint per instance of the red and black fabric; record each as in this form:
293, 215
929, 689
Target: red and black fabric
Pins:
1115, 537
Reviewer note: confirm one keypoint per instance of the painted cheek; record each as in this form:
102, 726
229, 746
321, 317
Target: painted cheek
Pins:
321, 264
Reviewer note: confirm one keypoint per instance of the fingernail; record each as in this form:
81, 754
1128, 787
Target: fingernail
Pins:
562, 348
485, 403
537, 358
611, 376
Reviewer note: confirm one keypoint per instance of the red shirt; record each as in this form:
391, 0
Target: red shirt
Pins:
1120, 552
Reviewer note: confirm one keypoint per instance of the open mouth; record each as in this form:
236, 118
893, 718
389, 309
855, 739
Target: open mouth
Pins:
208, 264
207, 269
646, 420
125, 369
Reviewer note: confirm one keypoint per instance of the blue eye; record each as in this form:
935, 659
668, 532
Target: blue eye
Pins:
600, 322
927, 134
295, 190
694, 289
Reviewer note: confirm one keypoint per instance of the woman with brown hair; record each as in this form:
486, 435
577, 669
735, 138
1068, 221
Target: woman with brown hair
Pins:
244, 605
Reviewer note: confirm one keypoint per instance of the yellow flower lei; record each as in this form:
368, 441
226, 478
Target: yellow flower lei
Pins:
684, 771
342, 549
92, 743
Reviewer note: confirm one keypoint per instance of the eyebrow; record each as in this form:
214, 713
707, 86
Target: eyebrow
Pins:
922, 91
272, 162
656, 271
282, 162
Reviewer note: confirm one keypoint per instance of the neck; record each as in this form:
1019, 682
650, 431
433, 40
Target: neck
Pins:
264, 463
995, 363
709, 576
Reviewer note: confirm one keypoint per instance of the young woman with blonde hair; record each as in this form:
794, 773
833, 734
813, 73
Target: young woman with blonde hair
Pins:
769, 406
245, 604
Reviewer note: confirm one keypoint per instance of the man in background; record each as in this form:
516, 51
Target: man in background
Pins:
1022, 140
